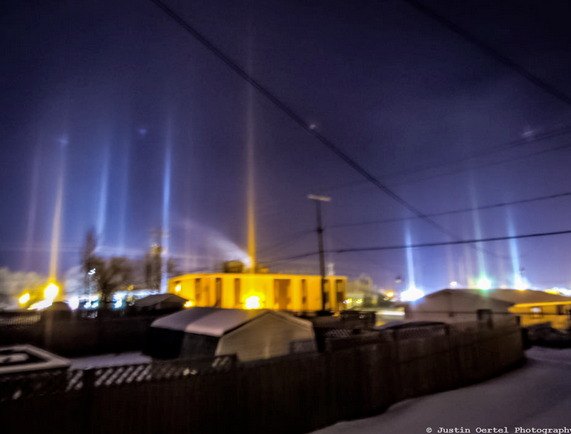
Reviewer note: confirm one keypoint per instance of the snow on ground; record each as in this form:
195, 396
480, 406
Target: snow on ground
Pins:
538, 395
109, 360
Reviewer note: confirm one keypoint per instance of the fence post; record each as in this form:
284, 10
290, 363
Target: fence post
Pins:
395, 355
88, 401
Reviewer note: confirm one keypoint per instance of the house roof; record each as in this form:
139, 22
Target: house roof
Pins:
521, 297
469, 293
151, 300
219, 322
216, 322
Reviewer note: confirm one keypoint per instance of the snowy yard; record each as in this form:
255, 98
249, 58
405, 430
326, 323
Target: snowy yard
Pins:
538, 395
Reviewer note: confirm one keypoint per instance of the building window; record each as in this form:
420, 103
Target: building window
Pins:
218, 288
340, 293
237, 291
198, 291
326, 297
536, 312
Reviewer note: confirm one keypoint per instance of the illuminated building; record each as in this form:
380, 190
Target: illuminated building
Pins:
260, 291
536, 307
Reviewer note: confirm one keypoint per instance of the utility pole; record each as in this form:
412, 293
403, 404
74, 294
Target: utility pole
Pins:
318, 200
161, 234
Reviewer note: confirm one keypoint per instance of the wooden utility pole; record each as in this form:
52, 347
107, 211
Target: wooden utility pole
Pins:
318, 200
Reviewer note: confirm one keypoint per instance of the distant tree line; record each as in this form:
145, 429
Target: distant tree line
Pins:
109, 275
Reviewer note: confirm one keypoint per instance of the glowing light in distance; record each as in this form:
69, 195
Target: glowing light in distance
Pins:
359, 301
560, 291
188, 304
390, 294
484, 283
348, 301
51, 291
73, 303
91, 272
453, 284
24, 298
118, 304
253, 302
412, 294
177, 288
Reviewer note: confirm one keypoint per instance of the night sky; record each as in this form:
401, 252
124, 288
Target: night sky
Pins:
140, 127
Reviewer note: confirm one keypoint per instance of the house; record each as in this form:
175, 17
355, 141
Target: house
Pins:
160, 302
535, 307
265, 291
202, 332
455, 306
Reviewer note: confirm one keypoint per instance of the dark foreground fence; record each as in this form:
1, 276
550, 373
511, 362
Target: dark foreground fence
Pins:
76, 337
355, 377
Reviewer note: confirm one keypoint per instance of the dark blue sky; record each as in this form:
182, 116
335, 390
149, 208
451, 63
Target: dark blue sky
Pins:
98, 93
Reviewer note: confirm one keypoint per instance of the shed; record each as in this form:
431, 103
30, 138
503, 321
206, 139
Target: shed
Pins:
160, 302
249, 334
460, 306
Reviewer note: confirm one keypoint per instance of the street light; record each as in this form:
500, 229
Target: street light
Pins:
318, 200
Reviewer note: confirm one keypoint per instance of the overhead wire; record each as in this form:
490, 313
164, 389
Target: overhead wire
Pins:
489, 164
309, 128
491, 51
290, 239
457, 211
423, 168
426, 245
487, 151
452, 243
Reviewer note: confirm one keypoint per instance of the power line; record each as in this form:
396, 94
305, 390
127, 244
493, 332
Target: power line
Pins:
506, 146
424, 245
297, 118
458, 211
492, 163
291, 258
451, 243
489, 151
292, 238
543, 85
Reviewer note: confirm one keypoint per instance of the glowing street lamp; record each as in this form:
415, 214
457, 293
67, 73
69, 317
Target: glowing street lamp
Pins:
484, 283
253, 302
51, 291
412, 294
24, 298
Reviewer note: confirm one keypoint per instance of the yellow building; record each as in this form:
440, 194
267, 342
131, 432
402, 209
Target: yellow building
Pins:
260, 291
534, 307
555, 312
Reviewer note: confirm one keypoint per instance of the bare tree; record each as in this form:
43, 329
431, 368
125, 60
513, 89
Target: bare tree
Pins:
153, 268
112, 275
106, 276
89, 260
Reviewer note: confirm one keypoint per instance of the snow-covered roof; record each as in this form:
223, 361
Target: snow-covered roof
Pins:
213, 321
470, 293
218, 323
179, 320
151, 300
527, 296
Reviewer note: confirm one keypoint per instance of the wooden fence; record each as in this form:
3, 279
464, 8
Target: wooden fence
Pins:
76, 337
354, 377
